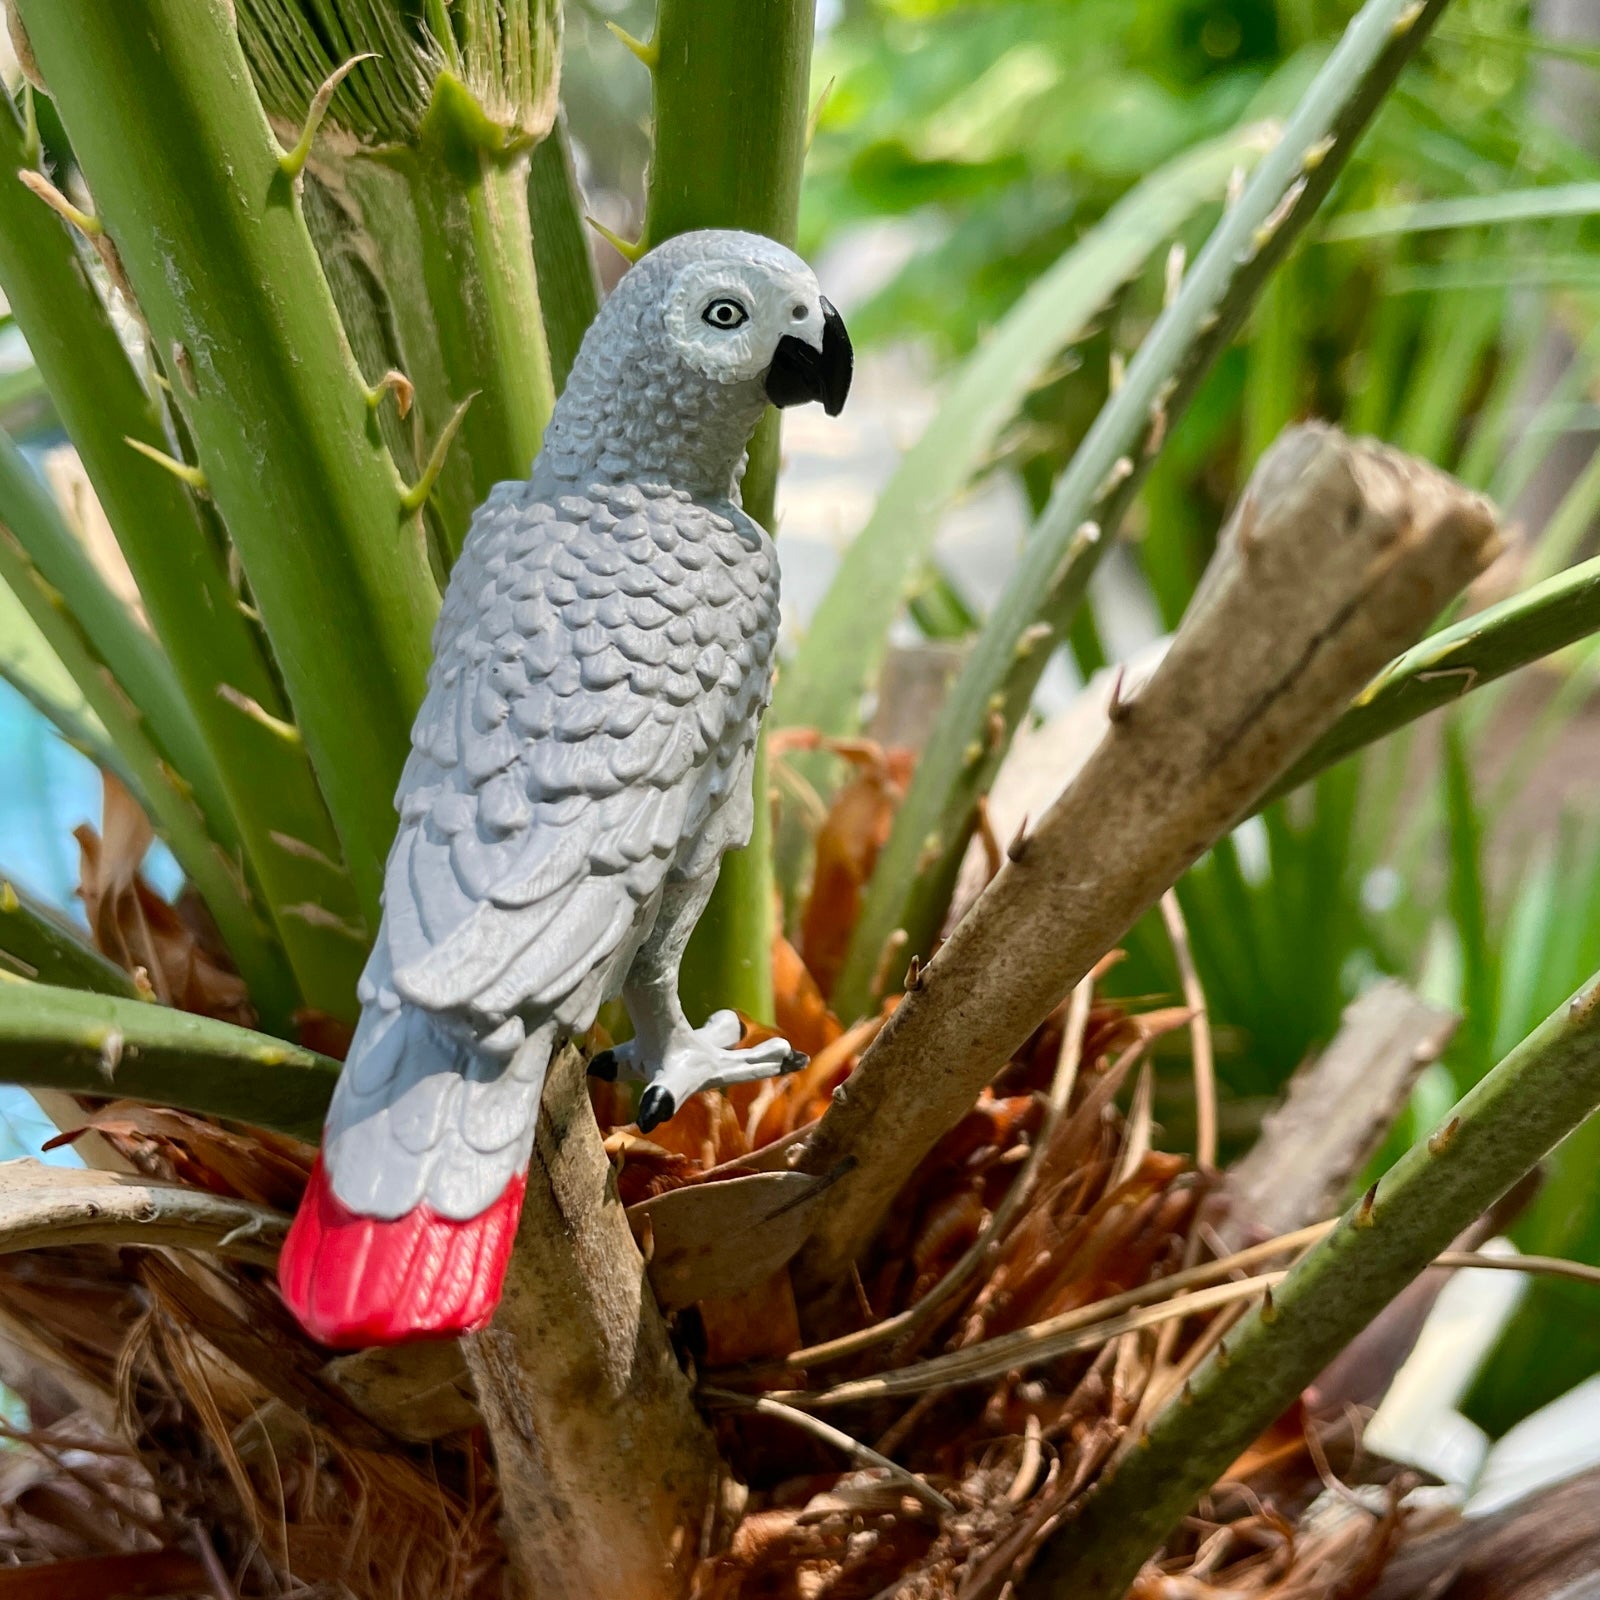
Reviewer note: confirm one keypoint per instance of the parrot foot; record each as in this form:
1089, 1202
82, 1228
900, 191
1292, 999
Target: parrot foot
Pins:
694, 1059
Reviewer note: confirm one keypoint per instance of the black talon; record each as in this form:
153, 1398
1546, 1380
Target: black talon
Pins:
603, 1065
796, 1060
655, 1106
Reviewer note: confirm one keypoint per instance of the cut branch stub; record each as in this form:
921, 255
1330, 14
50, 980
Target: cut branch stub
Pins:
1338, 556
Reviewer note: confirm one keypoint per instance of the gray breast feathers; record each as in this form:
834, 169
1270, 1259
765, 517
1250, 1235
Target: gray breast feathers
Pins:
601, 663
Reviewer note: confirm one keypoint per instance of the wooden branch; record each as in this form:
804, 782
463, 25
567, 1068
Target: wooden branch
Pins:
1338, 556
606, 1470
1335, 1115
42, 1207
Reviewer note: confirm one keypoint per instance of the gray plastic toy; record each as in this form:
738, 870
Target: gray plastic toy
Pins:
581, 762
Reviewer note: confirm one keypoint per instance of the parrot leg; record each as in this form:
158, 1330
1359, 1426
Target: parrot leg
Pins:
678, 1060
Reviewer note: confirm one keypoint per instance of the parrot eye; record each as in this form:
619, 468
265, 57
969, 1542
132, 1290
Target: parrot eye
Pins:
725, 314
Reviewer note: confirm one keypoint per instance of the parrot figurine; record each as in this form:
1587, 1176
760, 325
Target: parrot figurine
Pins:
582, 759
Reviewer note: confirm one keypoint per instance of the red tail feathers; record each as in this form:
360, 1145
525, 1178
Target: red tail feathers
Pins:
355, 1281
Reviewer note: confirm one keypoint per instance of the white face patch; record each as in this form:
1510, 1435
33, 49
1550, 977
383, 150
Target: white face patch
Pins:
726, 317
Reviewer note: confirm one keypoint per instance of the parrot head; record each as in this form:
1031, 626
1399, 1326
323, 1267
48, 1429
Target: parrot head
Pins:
697, 339
743, 307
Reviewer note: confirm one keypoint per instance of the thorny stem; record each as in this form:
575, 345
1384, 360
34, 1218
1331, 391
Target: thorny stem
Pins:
1451, 664
915, 874
37, 943
732, 85
253, 790
211, 234
53, 1038
1335, 554
1527, 1104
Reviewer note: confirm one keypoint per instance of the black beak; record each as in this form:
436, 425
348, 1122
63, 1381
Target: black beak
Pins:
800, 373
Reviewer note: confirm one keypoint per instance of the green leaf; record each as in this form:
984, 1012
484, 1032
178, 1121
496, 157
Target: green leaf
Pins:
844, 646
1476, 211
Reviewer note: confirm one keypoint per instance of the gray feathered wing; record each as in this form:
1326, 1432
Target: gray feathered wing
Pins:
601, 662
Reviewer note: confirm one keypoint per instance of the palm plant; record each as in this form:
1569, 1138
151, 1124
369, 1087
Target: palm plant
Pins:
294, 339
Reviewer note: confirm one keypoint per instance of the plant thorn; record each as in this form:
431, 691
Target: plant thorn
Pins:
393, 382
292, 162
1269, 1308
1032, 636
91, 227
181, 470
1441, 1139
649, 53
416, 497
629, 252
259, 714
1177, 260
1118, 710
817, 110
321, 917
1364, 1217
1018, 847
913, 976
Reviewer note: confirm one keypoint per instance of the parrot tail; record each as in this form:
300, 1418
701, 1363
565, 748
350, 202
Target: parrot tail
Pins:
354, 1281
411, 1209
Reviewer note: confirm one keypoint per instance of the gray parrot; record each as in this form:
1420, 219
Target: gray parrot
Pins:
582, 760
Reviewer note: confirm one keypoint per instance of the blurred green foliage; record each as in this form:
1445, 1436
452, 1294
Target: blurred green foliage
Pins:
992, 136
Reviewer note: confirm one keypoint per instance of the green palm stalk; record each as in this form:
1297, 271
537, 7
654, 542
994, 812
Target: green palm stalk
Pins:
37, 942
30, 518
246, 768
567, 288
34, 670
68, 1038
211, 236
432, 137
1466, 656
107, 691
732, 86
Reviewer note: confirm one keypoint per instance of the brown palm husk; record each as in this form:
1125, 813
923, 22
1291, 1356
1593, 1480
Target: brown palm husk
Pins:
183, 1436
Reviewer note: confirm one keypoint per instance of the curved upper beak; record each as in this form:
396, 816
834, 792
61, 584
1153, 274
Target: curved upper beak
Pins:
801, 372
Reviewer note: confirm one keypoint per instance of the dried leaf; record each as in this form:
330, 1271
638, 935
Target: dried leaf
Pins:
763, 1322
852, 834
713, 1240
133, 926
